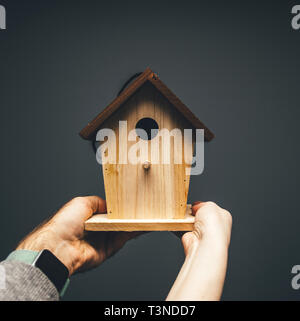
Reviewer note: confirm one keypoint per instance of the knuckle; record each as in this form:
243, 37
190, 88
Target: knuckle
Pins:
185, 237
77, 199
228, 215
198, 226
80, 201
211, 205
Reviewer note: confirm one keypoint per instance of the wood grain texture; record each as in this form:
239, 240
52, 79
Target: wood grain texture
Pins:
101, 222
161, 191
91, 129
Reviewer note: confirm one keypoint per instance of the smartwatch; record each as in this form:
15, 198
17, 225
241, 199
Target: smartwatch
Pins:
48, 263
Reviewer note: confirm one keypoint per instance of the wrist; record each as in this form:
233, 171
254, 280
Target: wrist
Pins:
214, 246
47, 239
47, 263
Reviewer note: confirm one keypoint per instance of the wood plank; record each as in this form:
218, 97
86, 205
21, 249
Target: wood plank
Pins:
100, 222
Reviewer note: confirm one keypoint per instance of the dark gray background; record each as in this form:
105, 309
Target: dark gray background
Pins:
235, 64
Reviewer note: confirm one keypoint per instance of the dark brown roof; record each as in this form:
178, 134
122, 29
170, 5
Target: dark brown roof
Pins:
90, 130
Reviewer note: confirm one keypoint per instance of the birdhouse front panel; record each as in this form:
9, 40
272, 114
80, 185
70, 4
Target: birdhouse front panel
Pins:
150, 188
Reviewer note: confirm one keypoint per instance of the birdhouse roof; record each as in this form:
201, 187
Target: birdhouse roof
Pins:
91, 129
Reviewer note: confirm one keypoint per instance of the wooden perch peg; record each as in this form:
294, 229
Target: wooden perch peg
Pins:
146, 165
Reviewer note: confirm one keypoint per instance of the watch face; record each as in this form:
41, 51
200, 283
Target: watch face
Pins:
54, 269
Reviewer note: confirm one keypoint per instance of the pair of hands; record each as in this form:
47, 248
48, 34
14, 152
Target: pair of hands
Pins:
65, 237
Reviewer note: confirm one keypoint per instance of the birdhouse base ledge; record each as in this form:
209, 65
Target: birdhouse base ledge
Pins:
101, 222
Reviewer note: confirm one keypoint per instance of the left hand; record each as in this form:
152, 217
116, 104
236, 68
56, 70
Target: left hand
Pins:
65, 237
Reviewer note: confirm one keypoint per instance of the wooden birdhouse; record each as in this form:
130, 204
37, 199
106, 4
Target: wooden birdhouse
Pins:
146, 185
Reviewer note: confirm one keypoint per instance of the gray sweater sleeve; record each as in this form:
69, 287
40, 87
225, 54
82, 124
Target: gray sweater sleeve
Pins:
23, 282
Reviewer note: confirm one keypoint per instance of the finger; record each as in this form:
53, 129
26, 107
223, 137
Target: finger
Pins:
196, 206
97, 204
82, 208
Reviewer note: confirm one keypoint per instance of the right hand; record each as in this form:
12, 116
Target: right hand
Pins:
212, 225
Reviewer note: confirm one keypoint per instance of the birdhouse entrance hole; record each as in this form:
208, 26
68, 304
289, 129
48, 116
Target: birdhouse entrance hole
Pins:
149, 125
